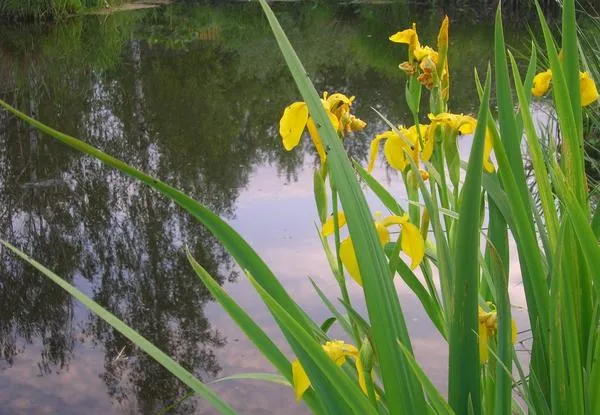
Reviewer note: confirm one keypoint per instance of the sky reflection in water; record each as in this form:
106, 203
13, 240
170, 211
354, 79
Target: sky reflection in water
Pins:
192, 96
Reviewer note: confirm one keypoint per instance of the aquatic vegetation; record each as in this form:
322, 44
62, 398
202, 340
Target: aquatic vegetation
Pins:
462, 285
48, 9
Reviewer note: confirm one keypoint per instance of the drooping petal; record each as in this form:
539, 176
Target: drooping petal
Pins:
360, 371
588, 90
383, 233
483, 344
300, 379
541, 83
316, 139
374, 150
292, 124
348, 257
464, 124
328, 226
429, 139
513, 332
412, 244
394, 151
488, 146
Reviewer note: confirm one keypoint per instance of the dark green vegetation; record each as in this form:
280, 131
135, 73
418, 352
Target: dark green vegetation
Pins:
58, 9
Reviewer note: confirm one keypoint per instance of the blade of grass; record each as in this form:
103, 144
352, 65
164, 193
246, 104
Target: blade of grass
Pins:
572, 157
506, 115
436, 399
265, 377
537, 159
464, 368
381, 192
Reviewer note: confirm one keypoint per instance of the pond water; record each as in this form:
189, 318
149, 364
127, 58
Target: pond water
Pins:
192, 95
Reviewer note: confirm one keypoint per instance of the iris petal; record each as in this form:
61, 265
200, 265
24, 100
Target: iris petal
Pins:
587, 86
300, 379
412, 244
541, 83
483, 344
348, 257
394, 151
328, 226
292, 124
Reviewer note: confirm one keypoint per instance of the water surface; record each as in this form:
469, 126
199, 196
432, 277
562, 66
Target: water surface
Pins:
193, 96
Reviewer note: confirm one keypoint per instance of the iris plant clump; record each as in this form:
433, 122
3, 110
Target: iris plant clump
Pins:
452, 248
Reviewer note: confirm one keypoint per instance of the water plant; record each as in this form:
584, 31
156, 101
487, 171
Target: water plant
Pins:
462, 287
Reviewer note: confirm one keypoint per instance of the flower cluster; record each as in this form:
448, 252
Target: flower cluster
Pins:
296, 118
430, 66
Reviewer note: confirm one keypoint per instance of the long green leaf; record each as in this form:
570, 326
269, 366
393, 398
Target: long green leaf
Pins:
435, 397
168, 363
404, 392
506, 114
498, 262
266, 377
537, 158
572, 155
464, 383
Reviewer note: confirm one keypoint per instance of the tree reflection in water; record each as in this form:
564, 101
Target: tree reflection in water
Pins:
193, 96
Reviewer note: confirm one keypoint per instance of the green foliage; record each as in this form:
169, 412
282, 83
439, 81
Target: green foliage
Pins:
464, 290
38, 9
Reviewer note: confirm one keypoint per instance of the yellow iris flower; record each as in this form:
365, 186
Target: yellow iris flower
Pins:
296, 118
587, 86
488, 327
415, 50
411, 242
427, 57
457, 124
337, 351
395, 146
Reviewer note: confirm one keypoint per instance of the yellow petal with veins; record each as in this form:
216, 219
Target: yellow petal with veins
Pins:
405, 36
348, 258
513, 331
488, 146
424, 52
374, 150
328, 226
337, 351
299, 379
292, 124
541, 83
394, 151
588, 90
483, 344
412, 244
361, 374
